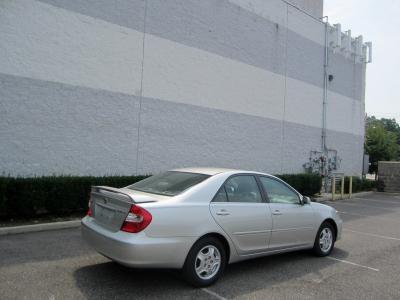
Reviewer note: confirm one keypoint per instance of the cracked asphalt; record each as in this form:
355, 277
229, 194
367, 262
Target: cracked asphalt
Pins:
364, 265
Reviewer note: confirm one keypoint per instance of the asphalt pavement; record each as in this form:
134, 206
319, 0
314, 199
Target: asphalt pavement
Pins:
364, 265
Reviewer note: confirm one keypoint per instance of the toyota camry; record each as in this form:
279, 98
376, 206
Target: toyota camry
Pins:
199, 220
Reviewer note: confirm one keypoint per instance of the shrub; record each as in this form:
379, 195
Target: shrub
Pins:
359, 184
58, 195
306, 184
63, 195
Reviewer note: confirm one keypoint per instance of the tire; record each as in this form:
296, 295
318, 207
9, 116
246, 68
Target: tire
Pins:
325, 240
205, 262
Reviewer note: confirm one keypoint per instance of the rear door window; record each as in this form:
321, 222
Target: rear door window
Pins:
243, 188
221, 195
278, 192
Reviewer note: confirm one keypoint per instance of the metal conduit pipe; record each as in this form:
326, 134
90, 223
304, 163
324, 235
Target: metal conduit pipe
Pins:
324, 104
325, 96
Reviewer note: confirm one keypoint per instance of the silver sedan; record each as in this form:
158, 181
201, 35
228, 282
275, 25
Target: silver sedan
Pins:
201, 219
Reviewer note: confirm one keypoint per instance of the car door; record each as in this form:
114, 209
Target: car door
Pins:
241, 210
292, 221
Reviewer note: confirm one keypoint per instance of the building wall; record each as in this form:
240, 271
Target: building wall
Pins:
389, 176
101, 87
313, 7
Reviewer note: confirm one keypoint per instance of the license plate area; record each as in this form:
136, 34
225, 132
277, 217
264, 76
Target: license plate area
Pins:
104, 213
110, 213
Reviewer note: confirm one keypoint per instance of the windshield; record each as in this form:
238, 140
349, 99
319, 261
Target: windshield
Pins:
170, 183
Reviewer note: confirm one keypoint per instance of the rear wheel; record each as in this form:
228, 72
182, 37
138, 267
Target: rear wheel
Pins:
325, 240
205, 262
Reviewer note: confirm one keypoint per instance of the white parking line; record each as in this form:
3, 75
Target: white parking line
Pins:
372, 234
352, 263
353, 214
368, 216
213, 294
375, 200
356, 204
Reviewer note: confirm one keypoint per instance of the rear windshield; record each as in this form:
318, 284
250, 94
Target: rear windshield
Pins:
170, 183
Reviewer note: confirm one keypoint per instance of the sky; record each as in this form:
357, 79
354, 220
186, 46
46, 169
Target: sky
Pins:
377, 21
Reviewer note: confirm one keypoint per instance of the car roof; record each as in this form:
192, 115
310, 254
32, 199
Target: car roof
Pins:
212, 171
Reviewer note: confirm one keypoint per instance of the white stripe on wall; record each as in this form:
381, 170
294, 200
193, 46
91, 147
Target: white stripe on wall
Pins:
180, 73
184, 74
55, 44
303, 103
45, 42
344, 114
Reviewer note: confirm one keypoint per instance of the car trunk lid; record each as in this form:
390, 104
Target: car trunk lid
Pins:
110, 206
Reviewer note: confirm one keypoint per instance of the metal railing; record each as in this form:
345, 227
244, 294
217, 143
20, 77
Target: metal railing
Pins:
338, 180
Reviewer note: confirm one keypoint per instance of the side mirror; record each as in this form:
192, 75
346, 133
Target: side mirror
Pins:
306, 200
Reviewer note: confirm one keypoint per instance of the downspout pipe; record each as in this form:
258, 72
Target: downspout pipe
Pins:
324, 148
325, 94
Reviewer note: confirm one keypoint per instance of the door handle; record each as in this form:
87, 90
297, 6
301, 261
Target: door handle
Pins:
223, 212
276, 212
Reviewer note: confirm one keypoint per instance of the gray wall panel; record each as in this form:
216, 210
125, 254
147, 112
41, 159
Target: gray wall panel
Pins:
299, 140
359, 81
219, 27
313, 7
342, 70
350, 148
127, 13
51, 128
178, 135
348, 75
227, 30
48, 127
305, 60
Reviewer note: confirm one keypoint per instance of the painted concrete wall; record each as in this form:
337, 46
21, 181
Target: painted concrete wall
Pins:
313, 7
389, 176
105, 87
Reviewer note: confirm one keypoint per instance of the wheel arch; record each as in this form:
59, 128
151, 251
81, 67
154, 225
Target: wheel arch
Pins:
222, 239
333, 223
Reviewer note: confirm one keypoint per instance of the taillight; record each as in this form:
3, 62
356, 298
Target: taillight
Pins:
89, 212
137, 219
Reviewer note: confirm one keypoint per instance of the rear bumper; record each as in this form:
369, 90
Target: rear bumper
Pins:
136, 249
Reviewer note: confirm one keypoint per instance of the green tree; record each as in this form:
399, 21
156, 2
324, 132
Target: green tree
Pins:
380, 143
392, 126
389, 124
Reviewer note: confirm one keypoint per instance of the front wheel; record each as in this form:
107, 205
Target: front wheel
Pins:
205, 262
325, 240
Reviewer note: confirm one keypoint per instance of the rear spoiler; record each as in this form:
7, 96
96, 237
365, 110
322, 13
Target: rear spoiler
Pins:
97, 190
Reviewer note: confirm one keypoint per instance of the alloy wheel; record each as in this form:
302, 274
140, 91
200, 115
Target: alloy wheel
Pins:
207, 262
325, 239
